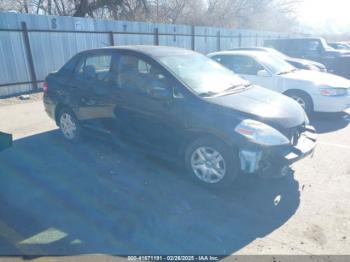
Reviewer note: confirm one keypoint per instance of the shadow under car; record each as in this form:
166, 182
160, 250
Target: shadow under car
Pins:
62, 199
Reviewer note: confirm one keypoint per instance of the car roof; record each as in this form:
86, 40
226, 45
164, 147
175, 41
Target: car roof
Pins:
149, 50
294, 38
258, 48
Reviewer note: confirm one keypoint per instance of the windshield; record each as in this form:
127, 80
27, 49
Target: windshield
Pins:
340, 46
201, 74
275, 64
325, 45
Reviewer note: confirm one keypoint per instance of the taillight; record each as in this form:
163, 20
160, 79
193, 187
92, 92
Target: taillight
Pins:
45, 86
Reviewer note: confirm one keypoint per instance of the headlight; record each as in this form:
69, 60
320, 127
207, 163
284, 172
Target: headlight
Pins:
260, 133
332, 91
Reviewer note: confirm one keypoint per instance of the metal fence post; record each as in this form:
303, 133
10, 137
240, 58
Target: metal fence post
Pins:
111, 38
218, 39
240, 40
193, 38
29, 55
156, 36
256, 40
174, 36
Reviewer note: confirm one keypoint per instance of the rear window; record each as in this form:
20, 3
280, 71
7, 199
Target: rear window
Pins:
69, 67
94, 67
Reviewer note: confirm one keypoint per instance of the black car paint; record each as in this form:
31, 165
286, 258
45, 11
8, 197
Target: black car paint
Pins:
168, 126
5, 141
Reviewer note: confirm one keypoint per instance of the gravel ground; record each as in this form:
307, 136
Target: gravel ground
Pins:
21, 99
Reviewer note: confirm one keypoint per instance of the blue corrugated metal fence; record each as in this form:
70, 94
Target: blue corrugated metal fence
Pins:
52, 40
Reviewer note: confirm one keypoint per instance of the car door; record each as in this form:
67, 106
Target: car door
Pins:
147, 111
91, 89
248, 68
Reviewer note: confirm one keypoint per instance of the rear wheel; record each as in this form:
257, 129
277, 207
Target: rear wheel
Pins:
69, 125
211, 162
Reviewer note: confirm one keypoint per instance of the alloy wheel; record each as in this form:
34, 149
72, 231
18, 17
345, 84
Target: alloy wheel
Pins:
68, 126
208, 164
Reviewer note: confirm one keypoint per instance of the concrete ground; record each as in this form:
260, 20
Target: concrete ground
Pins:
58, 198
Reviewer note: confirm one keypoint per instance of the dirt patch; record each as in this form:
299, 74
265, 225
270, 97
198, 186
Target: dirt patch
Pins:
21, 99
315, 233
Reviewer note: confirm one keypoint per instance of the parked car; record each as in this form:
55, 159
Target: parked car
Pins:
340, 46
297, 62
316, 49
5, 141
178, 103
314, 91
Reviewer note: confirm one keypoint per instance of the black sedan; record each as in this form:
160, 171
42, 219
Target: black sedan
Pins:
180, 104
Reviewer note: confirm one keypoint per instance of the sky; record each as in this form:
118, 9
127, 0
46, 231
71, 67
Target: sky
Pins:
325, 16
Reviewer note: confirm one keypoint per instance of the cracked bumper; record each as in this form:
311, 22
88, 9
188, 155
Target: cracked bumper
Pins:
266, 159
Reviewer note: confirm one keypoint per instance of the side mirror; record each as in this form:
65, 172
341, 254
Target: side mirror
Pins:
263, 73
160, 93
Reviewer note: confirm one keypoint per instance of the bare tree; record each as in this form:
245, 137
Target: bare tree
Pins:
15, 5
88, 7
250, 14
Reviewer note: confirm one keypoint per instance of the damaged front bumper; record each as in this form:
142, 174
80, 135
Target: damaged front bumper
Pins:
266, 159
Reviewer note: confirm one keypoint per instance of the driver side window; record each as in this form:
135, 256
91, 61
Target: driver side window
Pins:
239, 64
313, 46
139, 75
245, 65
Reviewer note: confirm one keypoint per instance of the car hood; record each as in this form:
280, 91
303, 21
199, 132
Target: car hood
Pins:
306, 62
264, 105
337, 53
318, 78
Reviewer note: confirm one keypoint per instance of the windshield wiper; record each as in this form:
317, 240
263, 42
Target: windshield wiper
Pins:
208, 93
286, 72
236, 86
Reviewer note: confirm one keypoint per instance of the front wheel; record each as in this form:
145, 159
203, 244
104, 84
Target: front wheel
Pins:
69, 125
211, 162
304, 100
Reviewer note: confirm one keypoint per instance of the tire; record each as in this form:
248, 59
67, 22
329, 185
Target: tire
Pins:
69, 125
303, 99
217, 173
